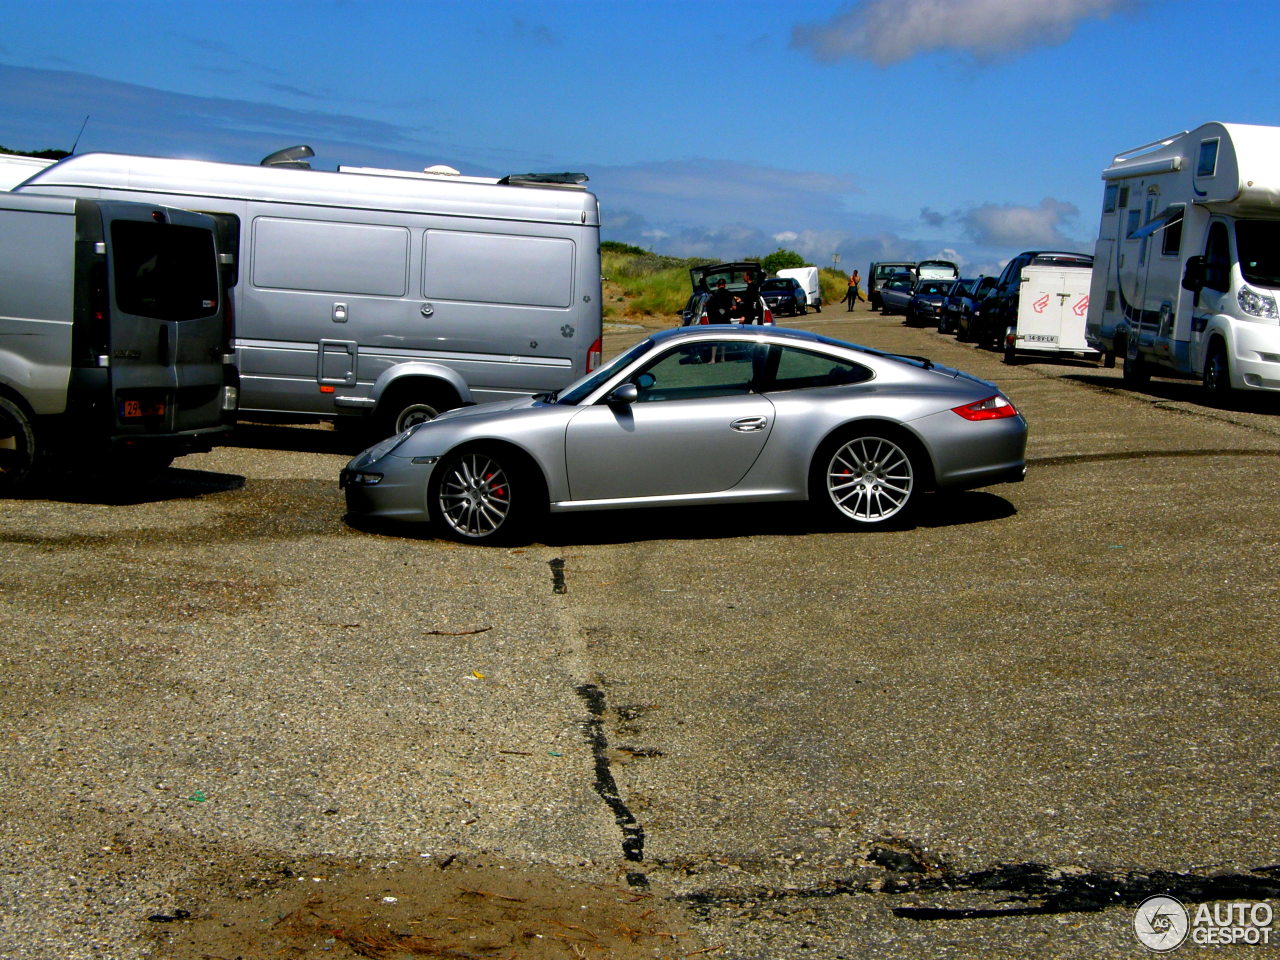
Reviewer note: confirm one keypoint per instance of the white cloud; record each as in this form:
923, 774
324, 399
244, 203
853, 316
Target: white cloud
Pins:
1009, 225
786, 236
888, 31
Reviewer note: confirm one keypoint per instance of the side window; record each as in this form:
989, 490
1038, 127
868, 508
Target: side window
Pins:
1109, 198
1133, 221
1207, 165
1153, 197
1171, 240
698, 370
1217, 257
803, 369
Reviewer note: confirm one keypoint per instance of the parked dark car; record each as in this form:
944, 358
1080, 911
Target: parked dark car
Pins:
925, 306
895, 293
881, 272
949, 317
784, 295
998, 309
971, 307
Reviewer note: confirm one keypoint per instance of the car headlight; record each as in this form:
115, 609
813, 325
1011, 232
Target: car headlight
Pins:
1257, 304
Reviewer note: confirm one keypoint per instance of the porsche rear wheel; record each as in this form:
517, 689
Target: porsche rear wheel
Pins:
865, 480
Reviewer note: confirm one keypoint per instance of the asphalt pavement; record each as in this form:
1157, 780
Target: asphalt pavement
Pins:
992, 734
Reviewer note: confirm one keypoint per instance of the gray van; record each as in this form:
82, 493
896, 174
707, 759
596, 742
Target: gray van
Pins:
114, 336
388, 294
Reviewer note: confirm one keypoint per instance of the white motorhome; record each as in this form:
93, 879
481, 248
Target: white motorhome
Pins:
384, 293
807, 277
1187, 265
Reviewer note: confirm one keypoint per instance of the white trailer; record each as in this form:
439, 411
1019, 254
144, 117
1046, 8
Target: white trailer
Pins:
1052, 304
807, 277
14, 169
1187, 265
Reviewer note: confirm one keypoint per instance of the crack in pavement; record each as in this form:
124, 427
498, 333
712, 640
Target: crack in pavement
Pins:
606, 786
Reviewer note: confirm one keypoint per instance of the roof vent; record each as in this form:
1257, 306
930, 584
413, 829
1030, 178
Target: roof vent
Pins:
441, 170
289, 157
559, 178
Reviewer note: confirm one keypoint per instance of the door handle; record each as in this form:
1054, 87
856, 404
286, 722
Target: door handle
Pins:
749, 424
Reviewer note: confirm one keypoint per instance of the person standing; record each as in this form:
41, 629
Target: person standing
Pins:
719, 304
854, 293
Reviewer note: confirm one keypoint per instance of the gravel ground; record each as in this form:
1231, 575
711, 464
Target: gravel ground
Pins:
728, 733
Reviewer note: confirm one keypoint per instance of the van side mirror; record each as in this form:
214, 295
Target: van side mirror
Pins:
1193, 276
623, 395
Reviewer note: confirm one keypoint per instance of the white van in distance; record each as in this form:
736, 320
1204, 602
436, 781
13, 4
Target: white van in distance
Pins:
1187, 265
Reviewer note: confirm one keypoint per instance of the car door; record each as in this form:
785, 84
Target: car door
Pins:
696, 427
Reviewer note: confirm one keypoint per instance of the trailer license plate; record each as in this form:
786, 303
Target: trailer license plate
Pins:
1040, 338
142, 408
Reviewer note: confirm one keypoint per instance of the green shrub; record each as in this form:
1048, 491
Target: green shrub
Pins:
782, 259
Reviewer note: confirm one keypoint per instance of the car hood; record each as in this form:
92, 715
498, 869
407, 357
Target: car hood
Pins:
484, 409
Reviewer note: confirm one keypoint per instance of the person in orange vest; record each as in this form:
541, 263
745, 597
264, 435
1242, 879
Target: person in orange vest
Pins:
854, 293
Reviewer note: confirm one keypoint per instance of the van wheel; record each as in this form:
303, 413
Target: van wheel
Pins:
1217, 372
17, 446
407, 407
866, 479
485, 495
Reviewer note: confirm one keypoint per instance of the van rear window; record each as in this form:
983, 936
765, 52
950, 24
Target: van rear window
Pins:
164, 271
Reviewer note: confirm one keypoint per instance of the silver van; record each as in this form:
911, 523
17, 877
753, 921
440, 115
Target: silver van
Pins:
114, 336
381, 293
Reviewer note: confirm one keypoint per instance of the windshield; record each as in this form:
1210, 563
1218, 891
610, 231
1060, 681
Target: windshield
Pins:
1258, 243
575, 392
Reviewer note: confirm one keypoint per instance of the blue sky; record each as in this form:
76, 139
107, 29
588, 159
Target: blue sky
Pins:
875, 129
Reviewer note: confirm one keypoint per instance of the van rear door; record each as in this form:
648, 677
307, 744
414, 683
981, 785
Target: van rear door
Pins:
166, 333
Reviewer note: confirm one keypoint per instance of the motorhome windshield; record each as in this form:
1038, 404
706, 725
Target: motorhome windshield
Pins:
1258, 243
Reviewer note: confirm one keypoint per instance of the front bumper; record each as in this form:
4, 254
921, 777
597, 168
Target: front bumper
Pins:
392, 488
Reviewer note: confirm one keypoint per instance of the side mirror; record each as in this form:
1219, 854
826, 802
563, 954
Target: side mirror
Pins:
627, 393
1193, 276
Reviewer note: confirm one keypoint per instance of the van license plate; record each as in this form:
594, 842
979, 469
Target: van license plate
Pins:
1040, 338
141, 408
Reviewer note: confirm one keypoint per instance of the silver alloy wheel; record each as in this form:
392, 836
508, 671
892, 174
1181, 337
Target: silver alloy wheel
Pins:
870, 479
474, 495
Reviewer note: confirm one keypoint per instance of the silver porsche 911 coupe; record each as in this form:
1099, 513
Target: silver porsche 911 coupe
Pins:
702, 415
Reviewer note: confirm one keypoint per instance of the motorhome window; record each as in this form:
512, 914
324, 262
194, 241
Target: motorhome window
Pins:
1124, 197
346, 258
1131, 227
1258, 244
1208, 164
1217, 257
1109, 197
1171, 240
164, 270
498, 268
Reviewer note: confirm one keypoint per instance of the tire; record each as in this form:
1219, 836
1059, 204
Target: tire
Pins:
18, 448
1109, 360
485, 495
1135, 373
1217, 372
865, 480
1010, 353
817, 308
403, 408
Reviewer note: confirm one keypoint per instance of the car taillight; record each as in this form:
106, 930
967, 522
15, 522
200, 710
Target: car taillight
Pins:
703, 319
768, 315
593, 355
992, 408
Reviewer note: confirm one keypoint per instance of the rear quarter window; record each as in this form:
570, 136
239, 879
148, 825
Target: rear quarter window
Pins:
804, 369
164, 271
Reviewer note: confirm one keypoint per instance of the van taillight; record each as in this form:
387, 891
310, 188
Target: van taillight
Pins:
99, 309
593, 355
